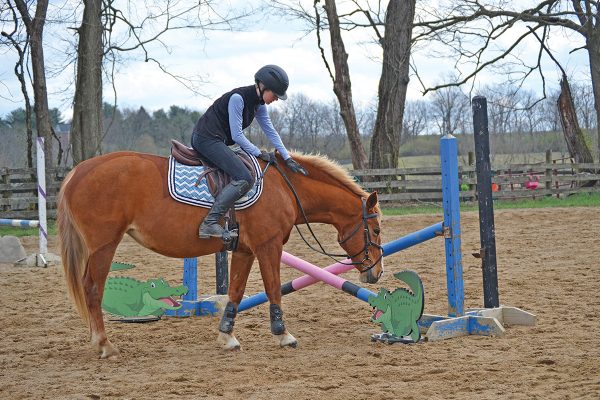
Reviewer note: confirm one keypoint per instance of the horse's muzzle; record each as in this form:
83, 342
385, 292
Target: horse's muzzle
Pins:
372, 275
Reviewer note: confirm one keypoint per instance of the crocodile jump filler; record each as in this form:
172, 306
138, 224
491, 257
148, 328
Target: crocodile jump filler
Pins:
398, 312
128, 297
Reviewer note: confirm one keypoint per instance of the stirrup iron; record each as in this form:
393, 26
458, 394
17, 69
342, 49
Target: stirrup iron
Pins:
229, 235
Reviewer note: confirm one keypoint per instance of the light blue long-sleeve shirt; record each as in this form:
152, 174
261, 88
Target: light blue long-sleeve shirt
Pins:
235, 108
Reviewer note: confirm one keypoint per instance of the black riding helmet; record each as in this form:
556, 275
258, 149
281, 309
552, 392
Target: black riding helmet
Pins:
274, 78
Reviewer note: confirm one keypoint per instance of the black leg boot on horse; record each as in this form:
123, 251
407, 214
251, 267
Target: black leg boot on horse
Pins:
210, 226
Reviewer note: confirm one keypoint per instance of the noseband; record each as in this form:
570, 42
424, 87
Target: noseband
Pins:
367, 235
367, 239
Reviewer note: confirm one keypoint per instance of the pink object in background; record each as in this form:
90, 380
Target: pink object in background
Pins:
533, 182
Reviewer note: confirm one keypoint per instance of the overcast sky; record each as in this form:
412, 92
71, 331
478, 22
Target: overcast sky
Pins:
228, 59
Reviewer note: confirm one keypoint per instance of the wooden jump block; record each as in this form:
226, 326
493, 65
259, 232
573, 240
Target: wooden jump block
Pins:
437, 327
477, 321
506, 315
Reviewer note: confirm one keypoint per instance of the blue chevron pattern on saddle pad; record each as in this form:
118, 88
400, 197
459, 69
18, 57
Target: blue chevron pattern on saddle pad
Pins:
182, 186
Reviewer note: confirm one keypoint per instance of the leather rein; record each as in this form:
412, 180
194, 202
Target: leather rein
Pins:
363, 223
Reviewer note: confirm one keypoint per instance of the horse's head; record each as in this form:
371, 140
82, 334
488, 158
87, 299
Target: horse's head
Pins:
361, 239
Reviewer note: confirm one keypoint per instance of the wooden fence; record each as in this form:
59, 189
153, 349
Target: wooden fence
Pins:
515, 181
18, 187
19, 195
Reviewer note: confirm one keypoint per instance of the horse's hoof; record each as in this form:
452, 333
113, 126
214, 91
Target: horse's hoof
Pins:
286, 340
234, 348
109, 352
230, 343
105, 348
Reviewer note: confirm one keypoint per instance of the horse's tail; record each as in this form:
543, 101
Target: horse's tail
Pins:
73, 251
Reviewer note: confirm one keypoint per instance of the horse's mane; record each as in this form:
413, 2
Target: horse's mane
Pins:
323, 168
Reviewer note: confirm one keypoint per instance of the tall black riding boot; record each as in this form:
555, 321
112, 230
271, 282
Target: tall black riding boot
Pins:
230, 193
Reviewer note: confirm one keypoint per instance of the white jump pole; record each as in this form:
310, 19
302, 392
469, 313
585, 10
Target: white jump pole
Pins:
41, 178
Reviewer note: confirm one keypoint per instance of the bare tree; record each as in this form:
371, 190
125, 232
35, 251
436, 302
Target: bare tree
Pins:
584, 103
366, 116
21, 46
487, 34
294, 119
86, 128
549, 119
393, 84
35, 32
568, 118
334, 134
415, 120
392, 27
450, 106
100, 42
342, 86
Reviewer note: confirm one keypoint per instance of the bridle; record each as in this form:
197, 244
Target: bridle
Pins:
367, 238
363, 223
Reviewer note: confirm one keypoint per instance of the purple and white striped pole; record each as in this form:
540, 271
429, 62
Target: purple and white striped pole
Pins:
41, 178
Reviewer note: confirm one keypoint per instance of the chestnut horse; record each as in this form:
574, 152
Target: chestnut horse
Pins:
105, 197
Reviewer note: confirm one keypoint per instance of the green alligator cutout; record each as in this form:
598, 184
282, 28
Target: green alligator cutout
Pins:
128, 297
399, 311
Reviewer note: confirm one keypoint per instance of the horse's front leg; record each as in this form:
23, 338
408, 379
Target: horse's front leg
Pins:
241, 263
269, 259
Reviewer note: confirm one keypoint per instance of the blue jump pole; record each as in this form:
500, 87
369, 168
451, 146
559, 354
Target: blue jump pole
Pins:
413, 239
20, 223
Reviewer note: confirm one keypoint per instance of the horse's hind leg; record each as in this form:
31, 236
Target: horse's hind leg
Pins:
269, 259
241, 263
93, 285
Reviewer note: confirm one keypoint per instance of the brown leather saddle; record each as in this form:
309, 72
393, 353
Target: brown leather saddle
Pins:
216, 178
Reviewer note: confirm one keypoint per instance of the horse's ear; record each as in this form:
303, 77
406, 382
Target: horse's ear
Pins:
372, 200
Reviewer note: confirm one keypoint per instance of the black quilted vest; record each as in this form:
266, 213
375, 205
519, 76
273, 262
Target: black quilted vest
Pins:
215, 121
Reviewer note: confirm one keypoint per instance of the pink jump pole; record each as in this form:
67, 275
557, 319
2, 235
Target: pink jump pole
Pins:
292, 286
313, 275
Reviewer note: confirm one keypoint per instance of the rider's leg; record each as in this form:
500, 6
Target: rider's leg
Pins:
224, 201
219, 154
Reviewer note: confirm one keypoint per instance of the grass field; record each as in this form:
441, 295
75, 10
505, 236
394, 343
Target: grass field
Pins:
19, 232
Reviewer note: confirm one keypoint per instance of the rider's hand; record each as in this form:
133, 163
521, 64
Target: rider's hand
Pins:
295, 167
268, 157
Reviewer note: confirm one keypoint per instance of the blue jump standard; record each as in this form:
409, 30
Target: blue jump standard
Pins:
191, 304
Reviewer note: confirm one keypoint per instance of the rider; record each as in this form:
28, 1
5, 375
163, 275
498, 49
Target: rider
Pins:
222, 125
